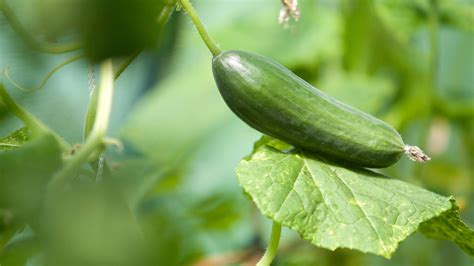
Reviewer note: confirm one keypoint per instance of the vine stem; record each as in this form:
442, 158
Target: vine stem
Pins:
34, 124
165, 14
270, 253
95, 140
127, 61
211, 45
162, 19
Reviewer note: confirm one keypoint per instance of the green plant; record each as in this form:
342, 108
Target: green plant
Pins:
60, 193
332, 206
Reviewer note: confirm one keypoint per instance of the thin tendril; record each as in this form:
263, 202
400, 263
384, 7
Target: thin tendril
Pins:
45, 79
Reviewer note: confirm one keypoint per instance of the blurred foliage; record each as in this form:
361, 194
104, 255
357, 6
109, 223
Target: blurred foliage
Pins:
103, 28
15, 139
171, 196
23, 174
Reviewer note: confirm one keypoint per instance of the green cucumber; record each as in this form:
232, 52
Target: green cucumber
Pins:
275, 101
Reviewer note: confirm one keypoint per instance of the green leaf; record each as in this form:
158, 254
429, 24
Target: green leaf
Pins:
168, 230
448, 226
25, 171
136, 177
14, 139
333, 206
218, 211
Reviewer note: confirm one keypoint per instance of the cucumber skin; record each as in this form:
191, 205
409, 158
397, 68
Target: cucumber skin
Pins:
275, 101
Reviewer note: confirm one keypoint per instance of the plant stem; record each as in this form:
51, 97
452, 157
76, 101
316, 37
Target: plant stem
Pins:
161, 20
270, 253
126, 62
29, 40
211, 45
165, 13
34, 124
95, 140
91, 109
104, 104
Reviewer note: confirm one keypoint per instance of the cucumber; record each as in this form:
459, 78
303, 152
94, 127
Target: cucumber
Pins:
273, 100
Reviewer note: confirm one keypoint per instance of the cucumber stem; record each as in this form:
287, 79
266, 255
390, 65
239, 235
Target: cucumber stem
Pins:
211, 45
270, 253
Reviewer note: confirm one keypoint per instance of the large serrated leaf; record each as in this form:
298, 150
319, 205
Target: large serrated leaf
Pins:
449, 226
333, 206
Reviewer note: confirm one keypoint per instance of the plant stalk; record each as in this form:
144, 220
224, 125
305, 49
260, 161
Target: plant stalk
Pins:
211, 45
162, 18
270, 253
95, 140
34, 124
126, 62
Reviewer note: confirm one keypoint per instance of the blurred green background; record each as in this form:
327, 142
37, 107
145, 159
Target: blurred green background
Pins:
172, 197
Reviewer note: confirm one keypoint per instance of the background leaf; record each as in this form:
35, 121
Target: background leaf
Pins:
97, 224
21, 246
24, 173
